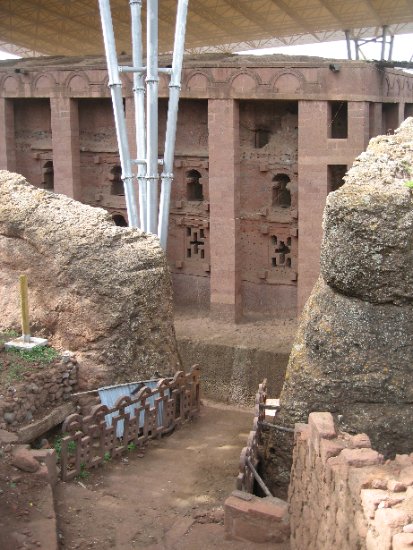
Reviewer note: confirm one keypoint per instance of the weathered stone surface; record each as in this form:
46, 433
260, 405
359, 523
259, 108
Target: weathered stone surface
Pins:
367, 249
353, 352
353, 358
24, 460
94, 288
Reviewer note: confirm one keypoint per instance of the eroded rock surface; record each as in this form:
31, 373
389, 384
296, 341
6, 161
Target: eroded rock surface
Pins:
97, 289
353, 354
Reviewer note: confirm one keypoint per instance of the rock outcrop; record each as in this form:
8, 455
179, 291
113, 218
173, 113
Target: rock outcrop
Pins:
353, 354
99, 290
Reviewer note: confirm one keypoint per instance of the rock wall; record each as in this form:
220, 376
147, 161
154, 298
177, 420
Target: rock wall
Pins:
343, 495
40, 390
353, 353
99, 290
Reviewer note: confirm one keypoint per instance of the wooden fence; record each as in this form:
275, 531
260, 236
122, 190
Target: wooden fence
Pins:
249, 454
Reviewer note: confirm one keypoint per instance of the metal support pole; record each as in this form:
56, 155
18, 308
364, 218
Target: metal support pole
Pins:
139, 102
348, 40
174, 90
152, 115
356, 45
391, 48
383, 43
115, 86
259, 479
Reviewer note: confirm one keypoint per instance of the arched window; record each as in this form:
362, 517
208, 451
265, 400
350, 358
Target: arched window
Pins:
48, 176
281, 196
119, 220
117, 183
194, 191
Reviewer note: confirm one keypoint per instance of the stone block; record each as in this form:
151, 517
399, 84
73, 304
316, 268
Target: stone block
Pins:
322, 424
360, 441
387, 522
24, 460
359, 458
406, 475
329, 448
255, 519
396, 486
370, 500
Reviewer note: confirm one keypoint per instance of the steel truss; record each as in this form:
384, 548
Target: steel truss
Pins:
151, 216
385, 39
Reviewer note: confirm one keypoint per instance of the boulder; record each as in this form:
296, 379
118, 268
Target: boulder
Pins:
99, 290
24, 460
353, 352
367, 249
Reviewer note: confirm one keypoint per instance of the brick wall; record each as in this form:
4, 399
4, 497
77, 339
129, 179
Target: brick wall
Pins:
343, 495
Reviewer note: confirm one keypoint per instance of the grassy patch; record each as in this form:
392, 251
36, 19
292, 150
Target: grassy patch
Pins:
39, 354
14, 363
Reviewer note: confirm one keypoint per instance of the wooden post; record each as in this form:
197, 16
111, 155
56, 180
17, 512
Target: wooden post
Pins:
24, 306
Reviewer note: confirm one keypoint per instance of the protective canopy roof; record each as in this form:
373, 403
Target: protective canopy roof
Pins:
72, 27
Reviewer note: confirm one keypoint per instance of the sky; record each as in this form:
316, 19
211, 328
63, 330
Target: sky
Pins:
402, 49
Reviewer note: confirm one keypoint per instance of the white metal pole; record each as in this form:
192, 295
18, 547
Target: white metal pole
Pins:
152, 114
174, 89
115, 86
139, 102
383, 42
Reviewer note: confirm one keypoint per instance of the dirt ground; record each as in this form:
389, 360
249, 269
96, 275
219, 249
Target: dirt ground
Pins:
168, 498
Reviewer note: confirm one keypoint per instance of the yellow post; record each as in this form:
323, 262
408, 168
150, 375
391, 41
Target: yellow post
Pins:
24, 305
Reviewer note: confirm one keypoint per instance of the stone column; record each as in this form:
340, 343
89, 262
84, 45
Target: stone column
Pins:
312, 192
7, 136
376, 119
358, 128
66, 147
224, 162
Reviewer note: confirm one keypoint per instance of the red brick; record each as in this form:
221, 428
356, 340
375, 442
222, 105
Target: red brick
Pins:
360, 457
360, 441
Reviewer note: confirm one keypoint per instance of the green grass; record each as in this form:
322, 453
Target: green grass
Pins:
6, 336
83, 474
39, 354
409, 184
15, 363
57, 446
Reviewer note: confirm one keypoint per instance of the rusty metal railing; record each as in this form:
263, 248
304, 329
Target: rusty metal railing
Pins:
91, 440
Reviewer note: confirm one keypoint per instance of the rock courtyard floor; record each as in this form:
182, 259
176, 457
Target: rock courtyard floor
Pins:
171, 498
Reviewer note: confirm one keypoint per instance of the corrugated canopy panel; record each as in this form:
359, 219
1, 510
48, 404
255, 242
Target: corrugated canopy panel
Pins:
72, 27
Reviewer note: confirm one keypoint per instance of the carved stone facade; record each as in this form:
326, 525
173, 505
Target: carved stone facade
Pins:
261, 142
